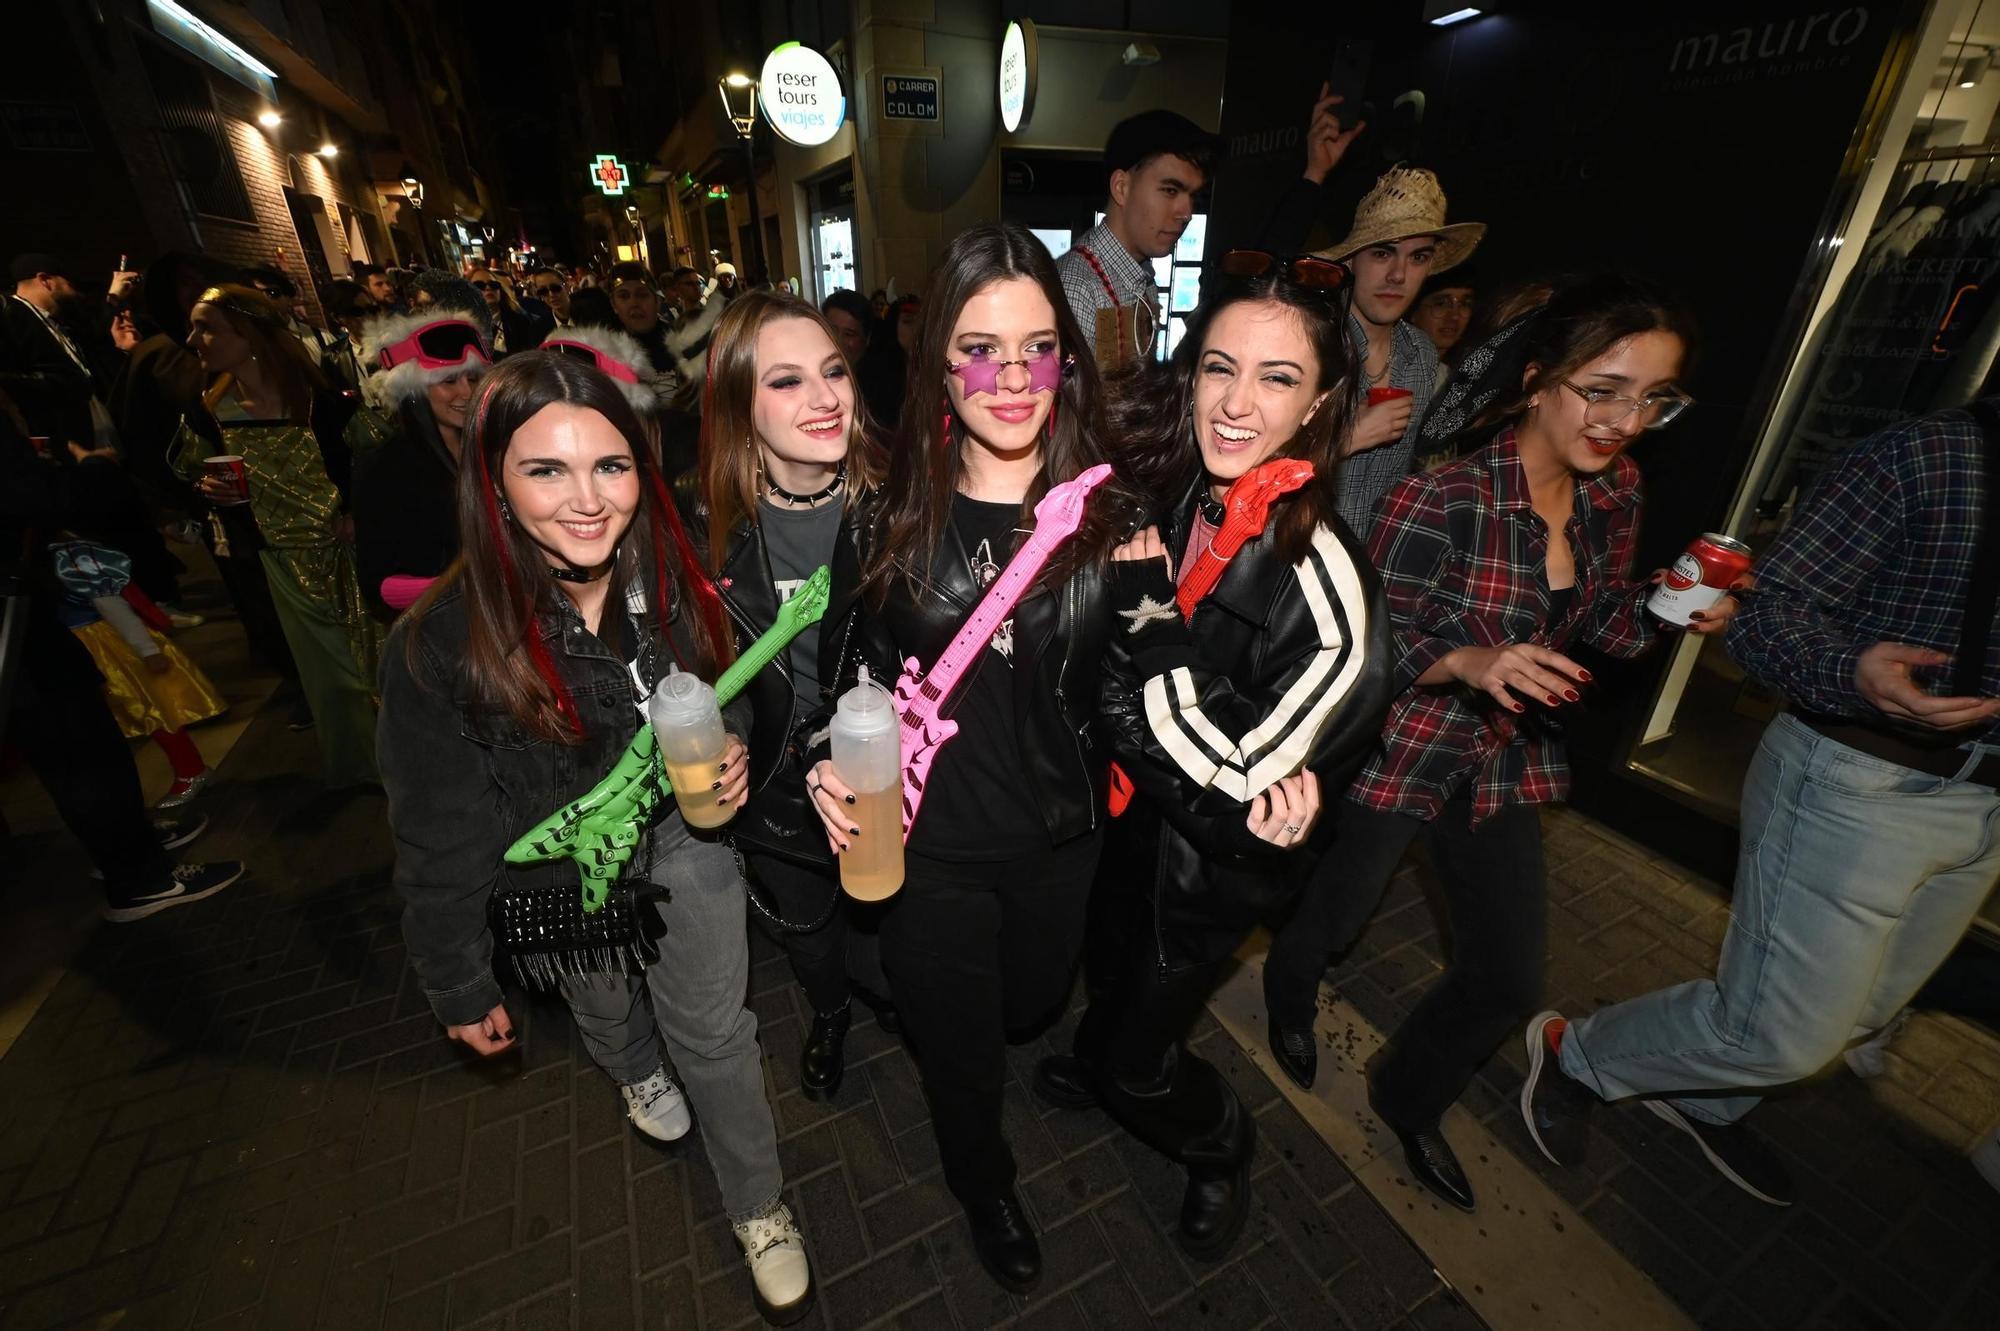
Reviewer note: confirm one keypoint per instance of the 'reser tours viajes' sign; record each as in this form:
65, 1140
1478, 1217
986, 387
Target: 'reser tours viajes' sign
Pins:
801, 96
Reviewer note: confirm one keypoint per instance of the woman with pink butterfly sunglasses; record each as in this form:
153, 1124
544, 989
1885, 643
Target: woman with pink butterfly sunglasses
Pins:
982, 940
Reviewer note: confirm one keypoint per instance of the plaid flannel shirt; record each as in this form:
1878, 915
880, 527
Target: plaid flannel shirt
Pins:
1132, 280
1461, 553
1880, 550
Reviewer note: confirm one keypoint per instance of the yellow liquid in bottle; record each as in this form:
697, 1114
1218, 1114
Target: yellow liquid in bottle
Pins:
693, 791
871, 868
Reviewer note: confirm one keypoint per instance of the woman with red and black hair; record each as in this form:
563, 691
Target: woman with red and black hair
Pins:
511, 689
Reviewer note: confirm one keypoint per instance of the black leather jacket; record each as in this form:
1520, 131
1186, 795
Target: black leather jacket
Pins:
776, 817
1060, 636
1282, 667
464, 781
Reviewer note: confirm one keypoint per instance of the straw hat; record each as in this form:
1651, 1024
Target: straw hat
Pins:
1407, 201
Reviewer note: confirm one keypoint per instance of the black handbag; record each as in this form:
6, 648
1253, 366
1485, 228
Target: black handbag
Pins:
545, 934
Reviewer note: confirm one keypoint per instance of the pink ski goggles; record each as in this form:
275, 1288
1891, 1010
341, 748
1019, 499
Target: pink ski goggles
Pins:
611, 365
442, 345
981, 374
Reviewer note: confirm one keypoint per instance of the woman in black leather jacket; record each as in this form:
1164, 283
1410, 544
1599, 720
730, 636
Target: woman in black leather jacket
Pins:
508, 692
1278, 678
786, 460
982, 939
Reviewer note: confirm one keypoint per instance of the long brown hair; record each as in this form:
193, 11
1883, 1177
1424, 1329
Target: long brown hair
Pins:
729, 455
928, 460
1572, 325
504, 576
1149, 409
261, 323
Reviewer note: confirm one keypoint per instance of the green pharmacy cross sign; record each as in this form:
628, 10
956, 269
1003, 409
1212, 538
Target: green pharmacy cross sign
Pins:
609, 174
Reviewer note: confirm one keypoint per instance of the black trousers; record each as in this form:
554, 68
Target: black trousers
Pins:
1495, 896
1142, 1004
842, 952
75, 748
976, 952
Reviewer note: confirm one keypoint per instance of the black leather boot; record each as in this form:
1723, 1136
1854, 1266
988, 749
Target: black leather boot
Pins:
1004, 1242
1064, 1080
822, 1062
1214, 1208
1296, 1052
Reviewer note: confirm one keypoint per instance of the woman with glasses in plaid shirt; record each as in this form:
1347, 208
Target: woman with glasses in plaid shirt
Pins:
1486, 609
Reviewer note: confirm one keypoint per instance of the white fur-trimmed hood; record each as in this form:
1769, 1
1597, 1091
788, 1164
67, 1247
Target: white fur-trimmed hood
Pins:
387, 390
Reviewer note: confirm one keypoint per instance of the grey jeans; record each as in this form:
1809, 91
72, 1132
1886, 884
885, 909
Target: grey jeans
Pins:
697, 991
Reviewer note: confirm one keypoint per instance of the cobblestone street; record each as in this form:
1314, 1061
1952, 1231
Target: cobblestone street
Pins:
243, 1114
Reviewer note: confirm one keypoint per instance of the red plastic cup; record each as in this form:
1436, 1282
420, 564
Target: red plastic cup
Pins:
229, 468
1376, 396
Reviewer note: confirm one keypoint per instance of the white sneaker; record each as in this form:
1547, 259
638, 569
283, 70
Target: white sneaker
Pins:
1870, 1058
780, 1271
1986, 1158
657, 1107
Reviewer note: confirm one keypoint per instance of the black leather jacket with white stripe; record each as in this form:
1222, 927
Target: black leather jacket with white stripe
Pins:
1283, 667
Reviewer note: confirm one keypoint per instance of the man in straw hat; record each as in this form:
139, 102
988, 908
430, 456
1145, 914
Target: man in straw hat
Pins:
1399, 238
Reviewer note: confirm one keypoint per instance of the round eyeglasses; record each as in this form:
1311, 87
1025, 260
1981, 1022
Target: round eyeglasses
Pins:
1604, 408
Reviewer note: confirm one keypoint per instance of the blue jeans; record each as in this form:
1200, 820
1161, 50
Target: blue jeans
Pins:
697, 990
1856, 877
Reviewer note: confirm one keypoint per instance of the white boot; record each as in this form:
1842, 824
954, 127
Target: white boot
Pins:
657, 1107
775, 1252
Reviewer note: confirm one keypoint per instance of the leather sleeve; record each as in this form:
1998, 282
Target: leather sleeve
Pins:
1319, 703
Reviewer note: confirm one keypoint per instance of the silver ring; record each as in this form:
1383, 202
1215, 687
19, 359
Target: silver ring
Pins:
1292, 828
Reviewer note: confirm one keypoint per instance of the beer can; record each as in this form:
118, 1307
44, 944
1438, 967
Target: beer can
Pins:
1698, 578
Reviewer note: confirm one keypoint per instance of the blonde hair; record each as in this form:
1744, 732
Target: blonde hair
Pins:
261, 323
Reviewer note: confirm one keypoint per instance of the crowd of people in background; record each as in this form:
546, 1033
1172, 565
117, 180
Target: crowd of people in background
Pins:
417, 480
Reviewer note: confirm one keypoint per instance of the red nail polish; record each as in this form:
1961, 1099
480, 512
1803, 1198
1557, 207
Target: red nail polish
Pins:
1572, 695
1519, 708
1553, 700
1583, 675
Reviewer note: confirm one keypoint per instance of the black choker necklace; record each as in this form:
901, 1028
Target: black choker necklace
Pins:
575, 574
780, 493
1212, 511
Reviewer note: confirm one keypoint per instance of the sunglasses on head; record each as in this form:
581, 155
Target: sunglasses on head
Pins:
611, 365
1307, 271
444, 344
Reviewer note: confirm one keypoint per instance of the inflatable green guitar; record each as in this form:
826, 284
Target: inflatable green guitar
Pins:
602, 829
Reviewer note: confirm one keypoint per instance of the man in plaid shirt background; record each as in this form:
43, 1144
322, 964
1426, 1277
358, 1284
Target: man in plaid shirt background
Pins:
1871, 823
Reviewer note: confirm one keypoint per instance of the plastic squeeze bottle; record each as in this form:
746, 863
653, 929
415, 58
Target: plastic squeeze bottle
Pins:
868, 755
688, 724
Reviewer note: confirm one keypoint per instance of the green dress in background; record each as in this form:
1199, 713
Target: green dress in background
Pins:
335, 641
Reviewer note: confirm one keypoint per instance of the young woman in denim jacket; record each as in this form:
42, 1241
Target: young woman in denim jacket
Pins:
510, 690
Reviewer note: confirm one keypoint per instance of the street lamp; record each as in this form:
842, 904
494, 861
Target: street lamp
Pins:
739, 100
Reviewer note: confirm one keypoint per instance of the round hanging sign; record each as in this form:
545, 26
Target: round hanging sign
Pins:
800, 94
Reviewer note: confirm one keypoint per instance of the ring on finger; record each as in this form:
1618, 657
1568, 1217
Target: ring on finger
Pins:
1293, 828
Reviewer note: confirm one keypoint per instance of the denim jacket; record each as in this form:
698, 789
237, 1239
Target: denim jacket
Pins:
465, 780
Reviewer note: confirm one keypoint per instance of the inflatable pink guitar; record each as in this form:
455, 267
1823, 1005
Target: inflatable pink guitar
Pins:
921, 696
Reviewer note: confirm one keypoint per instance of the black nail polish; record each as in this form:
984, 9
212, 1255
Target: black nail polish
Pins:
848, 798
506, 1035
854, 831
716, 786
723, 768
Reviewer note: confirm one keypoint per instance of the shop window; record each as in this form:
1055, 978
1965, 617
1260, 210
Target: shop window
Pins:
1907, 324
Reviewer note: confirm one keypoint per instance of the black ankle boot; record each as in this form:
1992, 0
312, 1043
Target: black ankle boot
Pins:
1296, 1052
1004, 1242
1213, 1209
822, 1063
1434, 1164
1063, 1080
